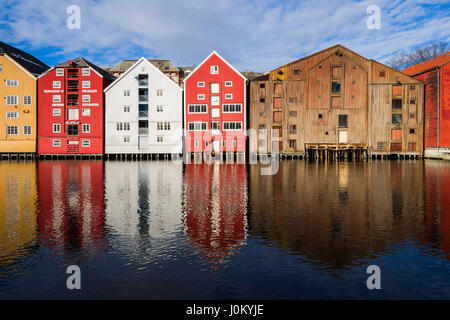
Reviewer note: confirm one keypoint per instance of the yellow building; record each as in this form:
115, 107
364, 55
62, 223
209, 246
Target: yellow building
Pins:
18, 104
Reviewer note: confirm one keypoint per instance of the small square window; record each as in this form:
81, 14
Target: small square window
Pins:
320, 116
262, 100
383, 73
59, 72
262, 85
200, 84
86, 72
412, 131
296, 71
412, 87
214, 69
228, 83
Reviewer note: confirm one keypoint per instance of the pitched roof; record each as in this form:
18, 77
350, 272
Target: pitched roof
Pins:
81, 62
163, 65
26, 60
123, 65
429, 64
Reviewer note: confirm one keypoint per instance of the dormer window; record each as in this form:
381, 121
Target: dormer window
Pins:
214, 69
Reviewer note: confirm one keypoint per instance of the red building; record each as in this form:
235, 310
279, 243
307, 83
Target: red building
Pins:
215, 110
435, 73
70, 108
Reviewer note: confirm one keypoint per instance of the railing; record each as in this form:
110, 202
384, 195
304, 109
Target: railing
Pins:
143, 98
143, 131
143, 82
143, 114
72, 73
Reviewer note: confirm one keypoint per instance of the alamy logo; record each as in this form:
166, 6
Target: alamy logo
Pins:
73, 22
374, 281
374, 20
74, 280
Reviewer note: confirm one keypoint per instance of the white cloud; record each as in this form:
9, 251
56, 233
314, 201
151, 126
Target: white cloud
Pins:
258, 35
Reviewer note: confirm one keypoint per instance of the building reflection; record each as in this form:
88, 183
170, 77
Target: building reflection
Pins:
71, 204
18, 220
336, 214
144, 205
216, 208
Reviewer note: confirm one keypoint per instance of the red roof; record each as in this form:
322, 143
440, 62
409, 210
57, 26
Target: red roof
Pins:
429, 64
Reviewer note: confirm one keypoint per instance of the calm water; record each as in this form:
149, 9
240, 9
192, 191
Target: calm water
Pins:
160, 230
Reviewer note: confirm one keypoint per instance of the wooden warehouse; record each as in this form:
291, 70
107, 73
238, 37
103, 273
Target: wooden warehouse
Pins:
336, 104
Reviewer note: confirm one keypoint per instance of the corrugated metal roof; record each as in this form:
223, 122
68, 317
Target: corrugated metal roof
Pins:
26, 60
429, 64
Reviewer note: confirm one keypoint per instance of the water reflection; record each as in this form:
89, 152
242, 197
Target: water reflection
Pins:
336, 214
216, 200
71, 205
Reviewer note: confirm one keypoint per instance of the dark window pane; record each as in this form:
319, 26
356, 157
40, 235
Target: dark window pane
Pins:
342, 120
397, 104
336, 87
396, 118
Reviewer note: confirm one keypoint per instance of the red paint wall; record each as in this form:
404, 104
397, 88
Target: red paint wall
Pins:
445, 103
226, 73
46, 118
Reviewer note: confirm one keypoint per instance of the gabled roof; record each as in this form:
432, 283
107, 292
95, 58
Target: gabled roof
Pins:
123, 75
220, 57
429, 64
83, 63
163, 65
26, 60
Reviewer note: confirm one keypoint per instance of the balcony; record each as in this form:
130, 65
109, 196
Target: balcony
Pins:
143, 80
143, 127
72, 86
72, 73
72, 100
143, 111
143, 95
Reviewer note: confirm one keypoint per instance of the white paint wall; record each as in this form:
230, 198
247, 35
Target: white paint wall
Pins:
114, 112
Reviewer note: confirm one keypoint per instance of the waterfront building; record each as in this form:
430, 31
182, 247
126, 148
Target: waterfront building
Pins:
435, 73
336, 104
143, 112
71, 108
18, 82
215, 110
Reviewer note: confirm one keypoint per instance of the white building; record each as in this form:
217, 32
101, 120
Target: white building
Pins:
143, 112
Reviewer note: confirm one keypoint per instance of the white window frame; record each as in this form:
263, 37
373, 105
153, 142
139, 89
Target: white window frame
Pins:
9, 98
71, 112
56, 84
86, 143
214, 69
228, 122
86, 84
126, 92
159, 139
9, 128
12, 114
56, 128
198, 104
12, 83
200, 96
27, 130
56, 143
215, 101
200, 84
196, 124
215, 88
228, 83
86, 112
159, 108
228, 96
126, 108
59, 72
86, 72
25, 101
56, 98
57, 113
230, 104
86, 98
159, 92
87, 126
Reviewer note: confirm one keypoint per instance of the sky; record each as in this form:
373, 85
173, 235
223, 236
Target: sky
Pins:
256, 35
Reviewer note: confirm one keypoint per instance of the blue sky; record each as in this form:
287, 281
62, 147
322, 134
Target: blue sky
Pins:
257, 35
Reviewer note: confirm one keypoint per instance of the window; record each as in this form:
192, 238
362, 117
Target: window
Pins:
59, 72
228, 83
143, 80
197, 108
126, 139
412, 131
86, 98
229, 108
293, 144
27, 100
228, 96
86, 84
380, 146
396, 119
336, 87
12, 130
85, 143
56, 112
215, 88
262, 100
56, 143
320, 116
232, 126
200, 97
56, 84
1, 68
12, 100
159, 139
86, 72
27, 130
382, 73
215, 112
215, 125
159, 108
215, 101
412, 87
159, 92
200, 84
214, 69
293, 113
159, 126
166, 125
397, 104
126, 109
412, 101
12, 83
119, 126
56, 98
72, 114
262, 143
293, 99
412, 115
143, 110
72, 130
126, 93
196, 143
296, 71
396, 134
56, 128
411, 146
293, 129
12, 114
86, 128
262, 85
197, 126
343, 120
86, 112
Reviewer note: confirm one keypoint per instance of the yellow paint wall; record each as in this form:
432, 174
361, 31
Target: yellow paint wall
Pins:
27, 113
